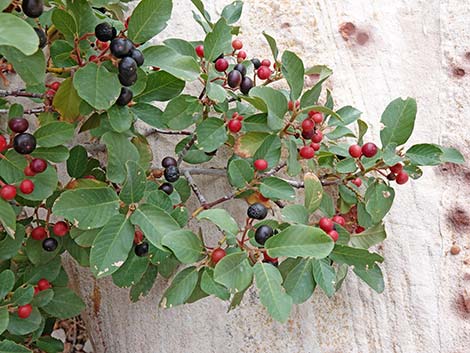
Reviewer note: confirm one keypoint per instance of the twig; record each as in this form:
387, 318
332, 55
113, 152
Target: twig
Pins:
195, 188
186, 148
20, 93
274, 170
30, 111
167, 132
205, 171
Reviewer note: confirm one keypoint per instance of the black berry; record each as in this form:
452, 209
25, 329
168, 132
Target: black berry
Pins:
33, 8
166, 188
42, 37
137, 55
120, 47
241, 69
127, 80
234, 78
256, 63
24, 143
172, 174
246, 85
169, 161
105, 32
263, 233
257, 211
125, 97
127, 66
49, 244
18, 125
141, 249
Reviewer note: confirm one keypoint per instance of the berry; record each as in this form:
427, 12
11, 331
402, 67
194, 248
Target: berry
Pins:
127, 67
168, 162
237, 44
24, 311
42, 37
257, 211
256, 63
102, 45
8, 192
33, 9
43, 284
50, 244
264, 73
307, 125
402, 178
138, 237
307, 152
241, 69
357, 182
38, 165
217, 255
234, 78
397, 168
263, 233
3, 143
221, 65
240, 117
120, 47
246, 85
340, 220
141, 249
359, 229
137, 55
355, 151
36, 290
27, 186
317, 117
234, 125
28, 171
266, 62
167, 188
60, 228
105, 32
241, 55
369, 150
333, 235
317, 137
18, 125
172, 174
39, 233
24, 143
55, 85
125, 97
260, 164
127, 80
308, 134
326, 224
50, 93
315, 146
200, 51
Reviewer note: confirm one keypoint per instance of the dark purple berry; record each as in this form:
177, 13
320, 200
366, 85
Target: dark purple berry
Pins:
49, 244
18, 125
167, 188
24, 143
263, 233
241, 69
246, 85
234, 78
141, 249
125, 97
120, 47
127, 66
137, 55
169, 161
127, 80
257, 211
33, 8
171, 174
42, 37
105, 32
256, 63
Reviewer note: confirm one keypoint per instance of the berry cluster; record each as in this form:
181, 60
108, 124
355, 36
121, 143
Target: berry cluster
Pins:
311, 130
171, 174
41, 233
24, 311
328, 225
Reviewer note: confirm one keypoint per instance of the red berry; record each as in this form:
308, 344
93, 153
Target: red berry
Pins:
318, 118
315, 146
290, 105
307, 152
355, 151
359, 229
43, 284
311, 113
27, 186
8, 192
326, 224
18, 125
402, 177
39, 233
38, 165
36, 290
138, 237
369, 150
217, 255
264, 73
56, 84
3, 143
260, 164
24, 311
308, 134
340, 220
102, 45
307, 125
28, 172
266, 62
200, 51
50, 93
317, 137
240, 117
60, 228
333, 235
237, 44
241, 55
357, 182
92, 58
221, 65
234, 115
234, 125
397, 168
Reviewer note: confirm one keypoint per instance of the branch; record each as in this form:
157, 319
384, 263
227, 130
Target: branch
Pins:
274, 170
30, 111
20, 93
166, 132
205, 171
195, 188
186, 148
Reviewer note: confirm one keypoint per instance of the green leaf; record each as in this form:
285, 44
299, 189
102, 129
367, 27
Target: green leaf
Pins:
54, 154
43, 298
325, 276
9, 246
372, 276
313, 192
216, 92
65, 23
32, 69
120, 150
134, 187
276, 189
348, 115
64, 304
161, 86
276, 105
293, 70
221, 218
451, 155
181, 288
218, 41
186, 246
233, 11
379, 199
120, 118
211, 134
23, 295
49, 271
299, 283
143, 287
272, 44
293, 165
211, 287
361, 258
181, 112
67, 101
7, 218
50, 345
347, 165
60, 54
149, 18
154, 222
149, 114
111, 246
370, 237
270, 150
295, 214
19, 327
37, 255
83, 14
7, 282
88, 207
181, 66
54, 134
4, 320
240, 173
77, 162
300, 240
131, 272
234, 272
272, 296
425, 154
97, 86
15, 32
398, 120
7, 346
